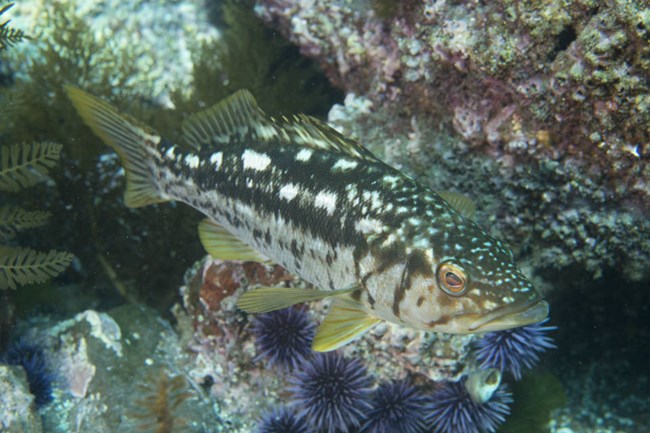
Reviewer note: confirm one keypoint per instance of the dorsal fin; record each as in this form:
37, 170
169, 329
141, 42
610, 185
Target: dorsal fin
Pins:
461, 203
230, 120
238, 118
310, 132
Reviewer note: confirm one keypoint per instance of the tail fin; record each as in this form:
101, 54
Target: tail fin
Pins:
128, 138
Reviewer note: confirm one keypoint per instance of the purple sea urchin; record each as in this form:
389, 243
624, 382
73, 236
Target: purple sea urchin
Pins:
39, 377
396, 407
332, 392
452, 410
514, 349
282, 420
284, 337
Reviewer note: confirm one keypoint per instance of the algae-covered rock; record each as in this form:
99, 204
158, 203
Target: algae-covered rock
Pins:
17, 410
119, 371
536, 396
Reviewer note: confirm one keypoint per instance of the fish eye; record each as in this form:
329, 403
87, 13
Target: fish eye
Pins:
452, 279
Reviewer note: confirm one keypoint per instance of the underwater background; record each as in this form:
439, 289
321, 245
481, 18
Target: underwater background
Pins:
115, 319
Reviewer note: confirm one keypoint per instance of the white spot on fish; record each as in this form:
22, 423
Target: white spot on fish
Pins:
304, 155
369, 225
391, 180
216, 159
265, 131
508, 299
244, 210
255, 161
170, 152
415, 221
326, 200
374, 198
192, 161
489, 305
389, 240
288, 191
344, 164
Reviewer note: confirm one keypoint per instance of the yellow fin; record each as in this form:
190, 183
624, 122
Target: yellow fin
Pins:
223, 245
459, 202
128, 138
345, 322
265, 299
232, 118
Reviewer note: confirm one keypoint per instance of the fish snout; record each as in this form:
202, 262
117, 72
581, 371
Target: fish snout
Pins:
512, 316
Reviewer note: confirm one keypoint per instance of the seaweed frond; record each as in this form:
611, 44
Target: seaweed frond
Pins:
23, 165
251, 56
14, 219
20, 266
158, 406
9, 35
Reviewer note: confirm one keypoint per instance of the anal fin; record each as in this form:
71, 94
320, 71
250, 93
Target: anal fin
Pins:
346, 321
265, 299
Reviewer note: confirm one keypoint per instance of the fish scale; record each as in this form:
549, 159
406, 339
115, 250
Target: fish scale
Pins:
259, 190
296, 192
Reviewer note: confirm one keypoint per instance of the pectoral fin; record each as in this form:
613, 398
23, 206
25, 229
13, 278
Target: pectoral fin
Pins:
345, 322
221, 244
264, 299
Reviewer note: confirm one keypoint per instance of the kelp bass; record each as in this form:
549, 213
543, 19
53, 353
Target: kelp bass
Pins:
295, 192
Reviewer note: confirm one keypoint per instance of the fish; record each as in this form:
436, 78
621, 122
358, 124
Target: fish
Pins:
293, 191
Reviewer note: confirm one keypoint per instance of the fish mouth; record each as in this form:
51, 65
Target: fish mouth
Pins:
511, 316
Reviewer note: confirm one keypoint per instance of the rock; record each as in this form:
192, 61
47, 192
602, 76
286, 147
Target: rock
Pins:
17, 411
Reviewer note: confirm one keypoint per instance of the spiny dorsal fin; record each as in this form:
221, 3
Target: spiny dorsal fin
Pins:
310, 132
346, 321
238, 119
223, 245
461, 203
232, 119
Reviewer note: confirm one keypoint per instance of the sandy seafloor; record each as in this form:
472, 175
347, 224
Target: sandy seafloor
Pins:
107, 357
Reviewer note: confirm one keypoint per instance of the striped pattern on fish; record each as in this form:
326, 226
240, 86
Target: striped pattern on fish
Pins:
296, 192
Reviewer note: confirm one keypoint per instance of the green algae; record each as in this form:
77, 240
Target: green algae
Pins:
536, 396
9, 35
253, 57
